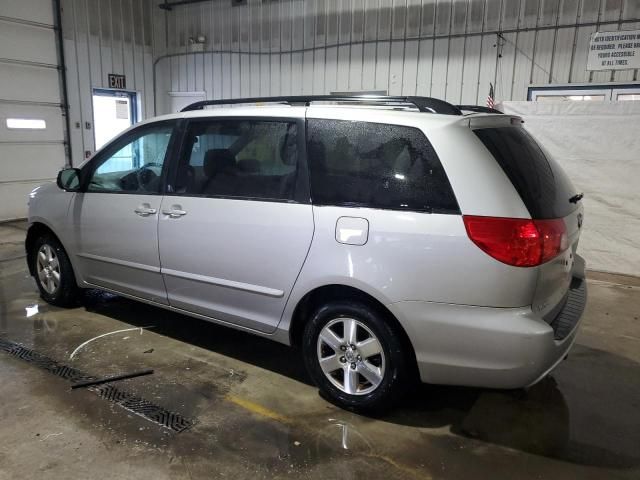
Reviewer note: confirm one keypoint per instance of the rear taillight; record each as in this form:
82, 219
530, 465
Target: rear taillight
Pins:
517, 241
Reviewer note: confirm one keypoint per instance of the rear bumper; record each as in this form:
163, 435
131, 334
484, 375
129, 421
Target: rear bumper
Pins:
489, 347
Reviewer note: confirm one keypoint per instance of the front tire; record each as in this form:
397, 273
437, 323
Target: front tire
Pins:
355, 356
53, 272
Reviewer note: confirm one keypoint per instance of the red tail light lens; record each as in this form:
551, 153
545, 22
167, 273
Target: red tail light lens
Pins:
553, 234
517, 241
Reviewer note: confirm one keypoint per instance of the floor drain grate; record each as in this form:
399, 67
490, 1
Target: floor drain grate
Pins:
127, 400
144, 408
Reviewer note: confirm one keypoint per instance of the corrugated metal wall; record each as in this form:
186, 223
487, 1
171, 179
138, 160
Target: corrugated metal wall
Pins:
109, 36
447, 48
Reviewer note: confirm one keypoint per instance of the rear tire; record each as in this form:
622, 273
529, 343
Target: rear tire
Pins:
355, 356
53, 272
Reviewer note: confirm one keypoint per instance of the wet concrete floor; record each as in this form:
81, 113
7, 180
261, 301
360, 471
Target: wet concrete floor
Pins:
258, 416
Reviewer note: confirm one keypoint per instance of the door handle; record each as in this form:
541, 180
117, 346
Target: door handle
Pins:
144, 211
174, 213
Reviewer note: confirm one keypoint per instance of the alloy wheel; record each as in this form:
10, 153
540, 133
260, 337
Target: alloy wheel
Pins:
351, 356
48, 269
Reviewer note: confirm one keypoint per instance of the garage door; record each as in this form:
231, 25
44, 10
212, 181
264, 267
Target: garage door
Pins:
31, 122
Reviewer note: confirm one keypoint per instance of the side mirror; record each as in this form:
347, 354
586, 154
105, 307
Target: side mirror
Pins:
69, 179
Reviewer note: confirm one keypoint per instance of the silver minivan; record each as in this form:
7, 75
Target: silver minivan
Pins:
389, 238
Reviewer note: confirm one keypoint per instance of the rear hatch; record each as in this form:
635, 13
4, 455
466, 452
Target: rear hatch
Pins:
548, 194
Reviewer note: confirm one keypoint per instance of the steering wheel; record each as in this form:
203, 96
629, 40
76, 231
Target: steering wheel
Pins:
140, 178
145, 175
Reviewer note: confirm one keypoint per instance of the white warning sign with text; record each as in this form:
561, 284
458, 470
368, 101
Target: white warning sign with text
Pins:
614, 50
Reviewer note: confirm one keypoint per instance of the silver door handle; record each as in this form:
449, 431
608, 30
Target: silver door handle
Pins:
144, 211
174, 213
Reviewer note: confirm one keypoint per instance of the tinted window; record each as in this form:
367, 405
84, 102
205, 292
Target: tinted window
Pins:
376, 165
239, 158
541, 183
134, 164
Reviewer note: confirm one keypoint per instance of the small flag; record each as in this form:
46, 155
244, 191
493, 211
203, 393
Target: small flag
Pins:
491, 97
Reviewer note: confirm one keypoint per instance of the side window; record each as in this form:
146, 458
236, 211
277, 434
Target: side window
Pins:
133, 165
376, 165
253, 159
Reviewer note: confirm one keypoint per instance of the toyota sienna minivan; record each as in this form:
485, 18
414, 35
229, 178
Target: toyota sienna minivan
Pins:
386, 237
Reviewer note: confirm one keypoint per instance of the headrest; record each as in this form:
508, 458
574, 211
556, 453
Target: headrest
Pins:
184, 178
317, 155
218, 160
288, 148
249, 165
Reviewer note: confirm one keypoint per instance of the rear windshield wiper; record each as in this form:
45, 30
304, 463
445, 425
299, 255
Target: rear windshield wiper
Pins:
576, 198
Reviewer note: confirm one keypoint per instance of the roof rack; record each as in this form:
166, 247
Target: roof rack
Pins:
423, 104
479, 109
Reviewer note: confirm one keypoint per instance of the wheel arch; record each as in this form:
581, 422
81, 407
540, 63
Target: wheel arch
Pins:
35, 231
336, 292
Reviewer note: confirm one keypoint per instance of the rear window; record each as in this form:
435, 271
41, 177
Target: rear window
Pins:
376, 165
544, 188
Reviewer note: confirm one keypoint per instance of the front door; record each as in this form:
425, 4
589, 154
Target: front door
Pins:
236, 229
116, 216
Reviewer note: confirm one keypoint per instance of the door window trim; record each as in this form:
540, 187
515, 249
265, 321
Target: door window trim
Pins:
87, 171
302, 189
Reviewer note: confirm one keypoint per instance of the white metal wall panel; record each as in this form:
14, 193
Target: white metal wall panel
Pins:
40, 47
540, 71
522, 63
504, 70
410, 70
76, 134
331, 70
439, 68
630, 74
382, 66
396, 69
445, 48
456, 50
29, 83
51, 115
579, 71
470, 75
30, 90
31, 164
77, 57
488, 63
114, 36
562, 56
39, 11
492, 14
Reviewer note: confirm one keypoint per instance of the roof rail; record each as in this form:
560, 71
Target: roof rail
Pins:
479, 109
423, 104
